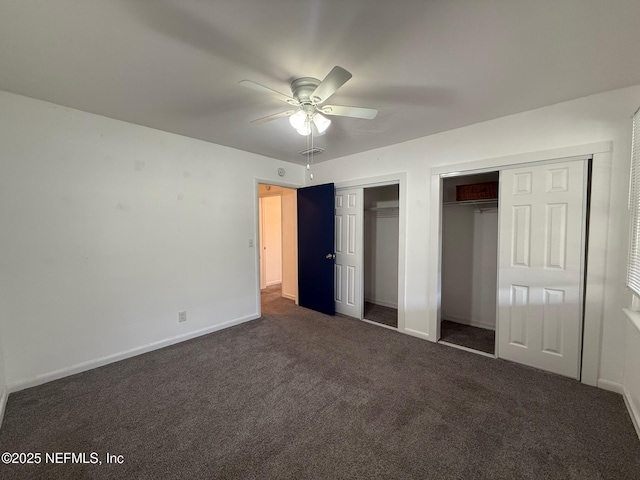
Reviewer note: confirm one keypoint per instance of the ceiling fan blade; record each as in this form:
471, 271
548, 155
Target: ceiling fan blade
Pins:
268, 118
337, 77
355, 112
261, 88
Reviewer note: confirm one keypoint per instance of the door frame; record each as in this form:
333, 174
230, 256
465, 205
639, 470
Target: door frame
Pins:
594, 285
256, 231
399, 179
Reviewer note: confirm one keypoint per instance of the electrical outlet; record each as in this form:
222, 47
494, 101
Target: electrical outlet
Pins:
182, 316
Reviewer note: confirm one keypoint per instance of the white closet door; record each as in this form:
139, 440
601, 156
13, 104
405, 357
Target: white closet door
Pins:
542, 223
348, 247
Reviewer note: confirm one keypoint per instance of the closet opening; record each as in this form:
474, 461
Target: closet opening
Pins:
381, 242
469, 263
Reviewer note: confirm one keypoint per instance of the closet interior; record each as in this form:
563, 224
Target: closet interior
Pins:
381, 236
469, 261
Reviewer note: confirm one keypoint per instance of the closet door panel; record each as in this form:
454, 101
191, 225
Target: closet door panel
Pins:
542, 225
348, 247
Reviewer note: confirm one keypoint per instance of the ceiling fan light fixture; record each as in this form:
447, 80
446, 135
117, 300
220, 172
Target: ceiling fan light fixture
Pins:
305, 131
321, 122
297, 119
300, 122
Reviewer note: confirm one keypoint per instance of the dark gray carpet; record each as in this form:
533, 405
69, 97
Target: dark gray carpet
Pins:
300, 395
379, 314
468, 336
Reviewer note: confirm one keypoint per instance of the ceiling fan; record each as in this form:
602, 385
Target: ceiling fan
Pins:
308, 97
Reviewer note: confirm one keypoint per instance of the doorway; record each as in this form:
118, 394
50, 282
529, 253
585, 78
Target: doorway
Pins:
277, 228
469, 261
380, 242
300, 267
367, 248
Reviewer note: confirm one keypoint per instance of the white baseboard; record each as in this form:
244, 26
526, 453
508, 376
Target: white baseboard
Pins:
610, 386
633, 411
276, 282
3, 404
289, 296
471, 323
99, 362
382, 303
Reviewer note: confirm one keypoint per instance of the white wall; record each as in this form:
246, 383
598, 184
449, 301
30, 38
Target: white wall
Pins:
603, 117
381, 259
484, 268
108, 229
469, 265
457, 263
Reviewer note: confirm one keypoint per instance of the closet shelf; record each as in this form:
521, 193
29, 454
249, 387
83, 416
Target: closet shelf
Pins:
384, 211
481, 205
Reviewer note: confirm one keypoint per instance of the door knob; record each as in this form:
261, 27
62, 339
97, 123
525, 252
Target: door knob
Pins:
330, 256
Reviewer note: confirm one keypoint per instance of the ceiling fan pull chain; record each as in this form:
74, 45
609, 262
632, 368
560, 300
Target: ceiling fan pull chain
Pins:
310, 154
308, 151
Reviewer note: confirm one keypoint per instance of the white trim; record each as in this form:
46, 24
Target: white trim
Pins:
99, 362
370, 182
597, 244
492, 164
610, 386
288, 296
3, 404
633, 411
275, 282
634, 317
434, 293
466, 349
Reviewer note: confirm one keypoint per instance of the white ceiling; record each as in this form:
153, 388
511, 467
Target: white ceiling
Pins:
428, 66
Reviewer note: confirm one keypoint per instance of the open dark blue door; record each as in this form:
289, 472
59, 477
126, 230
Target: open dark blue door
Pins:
316, 258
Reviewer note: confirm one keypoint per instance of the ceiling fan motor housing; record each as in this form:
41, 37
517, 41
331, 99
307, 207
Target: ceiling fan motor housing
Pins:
302, 88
